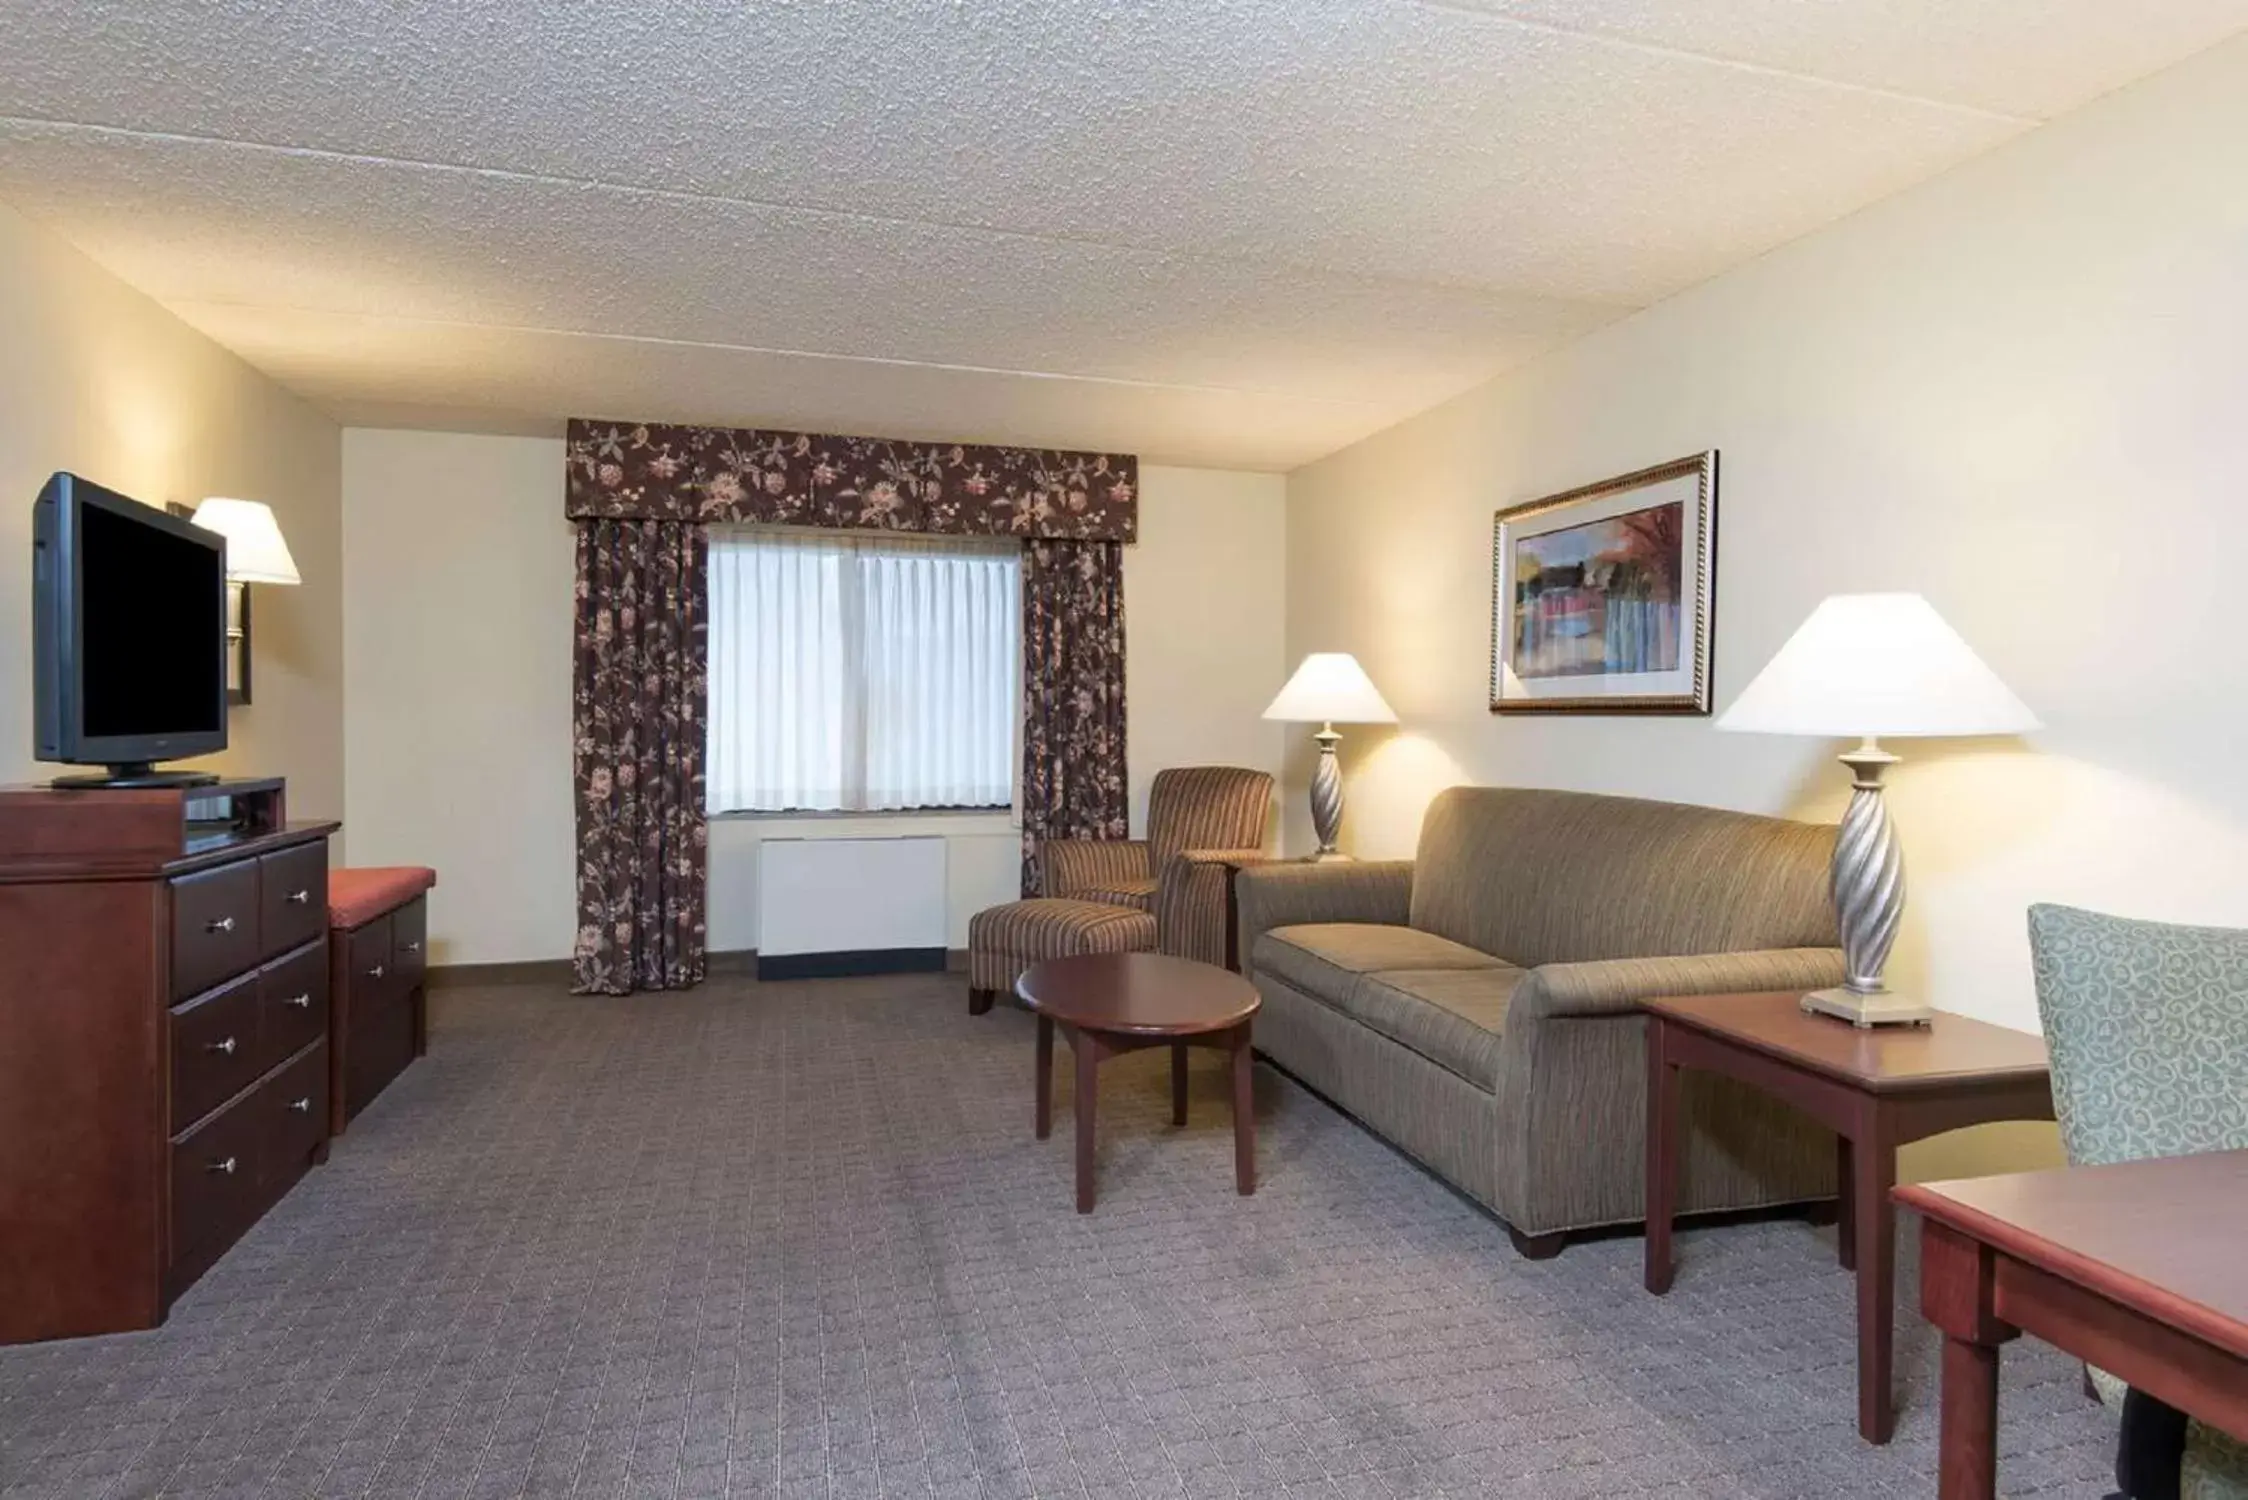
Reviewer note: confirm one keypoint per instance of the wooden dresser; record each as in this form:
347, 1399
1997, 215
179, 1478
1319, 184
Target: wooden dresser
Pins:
163, 1041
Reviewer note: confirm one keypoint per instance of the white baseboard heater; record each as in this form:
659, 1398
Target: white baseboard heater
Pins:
829, 907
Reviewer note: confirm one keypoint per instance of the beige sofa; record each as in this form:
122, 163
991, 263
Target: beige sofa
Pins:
1477, 1006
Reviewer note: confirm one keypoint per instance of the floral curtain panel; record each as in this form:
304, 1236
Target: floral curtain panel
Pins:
1074, 782
640, 729
759, 477
642, 494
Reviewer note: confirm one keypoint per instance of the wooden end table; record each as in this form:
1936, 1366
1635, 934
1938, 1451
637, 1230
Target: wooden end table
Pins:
2134, 1267
1876, 1089
1109, 1003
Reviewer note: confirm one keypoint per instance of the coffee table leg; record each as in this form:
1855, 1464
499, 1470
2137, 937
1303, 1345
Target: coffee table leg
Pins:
1244, 1115
1178, 1083
1045, 1077
1662, 1154
1088, 1050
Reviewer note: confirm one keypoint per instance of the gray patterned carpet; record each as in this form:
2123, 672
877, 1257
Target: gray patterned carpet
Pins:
797, 1240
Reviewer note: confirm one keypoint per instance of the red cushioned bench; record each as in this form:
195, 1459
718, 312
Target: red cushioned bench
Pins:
378, 930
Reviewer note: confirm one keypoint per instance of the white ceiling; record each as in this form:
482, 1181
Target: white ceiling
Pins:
1233, 232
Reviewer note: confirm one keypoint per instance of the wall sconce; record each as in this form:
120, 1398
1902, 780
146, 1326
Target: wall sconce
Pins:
255, 553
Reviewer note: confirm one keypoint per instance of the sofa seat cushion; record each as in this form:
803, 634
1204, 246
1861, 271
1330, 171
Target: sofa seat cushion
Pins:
1325, 959
1452, 1017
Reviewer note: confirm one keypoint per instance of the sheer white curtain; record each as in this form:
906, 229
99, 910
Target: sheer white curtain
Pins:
861, 673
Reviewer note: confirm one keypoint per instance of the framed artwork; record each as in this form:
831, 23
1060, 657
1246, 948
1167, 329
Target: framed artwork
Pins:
1602, 597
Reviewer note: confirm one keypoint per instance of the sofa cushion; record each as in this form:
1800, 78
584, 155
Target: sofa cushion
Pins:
1539, 877
1324, 959
1452, 1017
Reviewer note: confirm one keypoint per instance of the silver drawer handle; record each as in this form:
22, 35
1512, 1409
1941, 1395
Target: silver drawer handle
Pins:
226, 1047
226, 1166
413, 947
301, 1106
219, 924
375, 972
299, 1002
298, 898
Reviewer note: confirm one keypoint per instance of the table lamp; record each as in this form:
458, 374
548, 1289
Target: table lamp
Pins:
1869, 665
1329, 688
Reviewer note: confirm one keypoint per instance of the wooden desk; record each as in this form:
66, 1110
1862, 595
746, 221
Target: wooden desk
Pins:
1875, 1089
2136, 1268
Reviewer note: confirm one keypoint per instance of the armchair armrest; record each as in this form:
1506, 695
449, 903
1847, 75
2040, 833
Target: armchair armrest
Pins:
1074, 865
1616, 986
1194, 903
1284, 894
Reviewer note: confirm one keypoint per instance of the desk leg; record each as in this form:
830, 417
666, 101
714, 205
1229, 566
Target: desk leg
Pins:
1045, 1077
1955, 1293
1873, 1227
1087, 1047
1662, 1154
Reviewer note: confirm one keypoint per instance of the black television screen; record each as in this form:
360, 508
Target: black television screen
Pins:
129, 627
144, 666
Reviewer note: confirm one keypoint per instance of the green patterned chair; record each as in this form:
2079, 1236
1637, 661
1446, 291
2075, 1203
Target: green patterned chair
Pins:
2148, 1026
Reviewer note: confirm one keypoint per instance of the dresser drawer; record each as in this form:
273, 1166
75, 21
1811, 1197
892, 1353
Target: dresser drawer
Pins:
293, 1002
292, 1106
409, 941
214, 926
367, 968
215, 1187
293, 898
216, 1051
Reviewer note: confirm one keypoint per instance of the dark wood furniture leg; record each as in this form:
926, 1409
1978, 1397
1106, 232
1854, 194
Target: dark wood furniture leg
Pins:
1537, 1246
1244, 1114
1957, 1293
979, 1000
1873, 1223
1845, 1212
1178, 1083
1087, 1048
1045, 1077
1662, 1157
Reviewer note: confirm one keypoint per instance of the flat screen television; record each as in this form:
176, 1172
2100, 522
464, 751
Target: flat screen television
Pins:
128, 636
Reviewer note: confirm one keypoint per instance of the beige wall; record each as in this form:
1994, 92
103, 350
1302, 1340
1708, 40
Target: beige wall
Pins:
2021, 389
457, 611
97, 379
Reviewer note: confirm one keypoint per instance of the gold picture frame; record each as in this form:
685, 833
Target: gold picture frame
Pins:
1603, 597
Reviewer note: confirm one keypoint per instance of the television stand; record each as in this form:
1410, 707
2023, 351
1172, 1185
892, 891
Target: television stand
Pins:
133, 775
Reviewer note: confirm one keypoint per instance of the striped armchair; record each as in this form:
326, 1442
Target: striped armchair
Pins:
1201, 821
2148, 1027
1170, 891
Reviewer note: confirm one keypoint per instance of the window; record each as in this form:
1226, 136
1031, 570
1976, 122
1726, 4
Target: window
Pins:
861, 674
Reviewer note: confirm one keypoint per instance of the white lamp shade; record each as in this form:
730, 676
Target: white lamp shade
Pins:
1877, 664
255, 552
1330, 688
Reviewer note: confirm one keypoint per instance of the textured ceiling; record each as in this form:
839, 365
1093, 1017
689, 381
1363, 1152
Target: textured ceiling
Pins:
1238, 232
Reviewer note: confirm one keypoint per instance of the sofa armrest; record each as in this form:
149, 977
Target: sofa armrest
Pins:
1283, 894
1617, 986
1074, 865
1194, 903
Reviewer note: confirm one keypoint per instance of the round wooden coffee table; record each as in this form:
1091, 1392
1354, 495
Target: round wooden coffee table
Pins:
1107, 1003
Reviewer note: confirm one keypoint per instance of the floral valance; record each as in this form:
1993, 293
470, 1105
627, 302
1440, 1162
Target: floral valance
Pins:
636, 471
